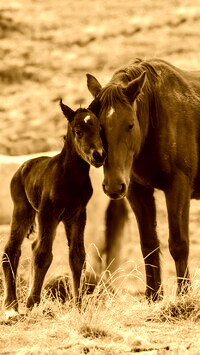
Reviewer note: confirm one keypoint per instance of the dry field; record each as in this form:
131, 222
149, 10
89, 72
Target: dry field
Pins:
46, 49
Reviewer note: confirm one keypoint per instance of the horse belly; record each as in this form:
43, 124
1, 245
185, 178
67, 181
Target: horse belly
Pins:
196, 187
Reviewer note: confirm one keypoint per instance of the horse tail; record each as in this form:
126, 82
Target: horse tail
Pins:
116, 219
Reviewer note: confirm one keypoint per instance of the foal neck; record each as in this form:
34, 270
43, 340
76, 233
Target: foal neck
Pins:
72, 162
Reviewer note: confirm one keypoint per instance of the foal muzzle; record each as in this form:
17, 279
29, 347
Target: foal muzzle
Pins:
98, 157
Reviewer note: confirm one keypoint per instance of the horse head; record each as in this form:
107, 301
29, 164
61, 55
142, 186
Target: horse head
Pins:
86, 131
121, 130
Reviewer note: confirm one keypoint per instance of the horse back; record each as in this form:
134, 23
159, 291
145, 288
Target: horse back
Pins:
180, 119
173, 139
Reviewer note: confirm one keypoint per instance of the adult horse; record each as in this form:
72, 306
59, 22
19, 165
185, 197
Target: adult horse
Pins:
150, 114
57, 188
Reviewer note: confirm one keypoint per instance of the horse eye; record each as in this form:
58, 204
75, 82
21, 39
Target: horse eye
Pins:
130, 127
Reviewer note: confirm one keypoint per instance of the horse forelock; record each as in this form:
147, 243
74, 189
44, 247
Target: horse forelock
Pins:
113, 91
112, 94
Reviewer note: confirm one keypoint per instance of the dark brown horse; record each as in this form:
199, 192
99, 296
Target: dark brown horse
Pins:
150, 114
57, 189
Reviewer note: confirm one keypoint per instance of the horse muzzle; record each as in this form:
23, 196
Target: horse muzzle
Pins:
115, 192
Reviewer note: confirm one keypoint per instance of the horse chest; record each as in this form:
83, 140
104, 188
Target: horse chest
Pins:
137, 177
151, 172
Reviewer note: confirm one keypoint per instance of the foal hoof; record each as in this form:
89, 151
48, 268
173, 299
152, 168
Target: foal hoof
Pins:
11, 314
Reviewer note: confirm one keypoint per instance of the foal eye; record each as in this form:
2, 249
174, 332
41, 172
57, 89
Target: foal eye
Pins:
130, 127
78, 133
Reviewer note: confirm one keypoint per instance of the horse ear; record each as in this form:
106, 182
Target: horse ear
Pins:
134, 87
68, 112
93, 85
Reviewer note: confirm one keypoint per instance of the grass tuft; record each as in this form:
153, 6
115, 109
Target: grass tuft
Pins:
177, 308
92, 332
106, 321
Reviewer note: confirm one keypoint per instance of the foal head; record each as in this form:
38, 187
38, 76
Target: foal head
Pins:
121, 130
86, 131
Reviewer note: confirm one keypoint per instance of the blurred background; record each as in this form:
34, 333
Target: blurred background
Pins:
46, 48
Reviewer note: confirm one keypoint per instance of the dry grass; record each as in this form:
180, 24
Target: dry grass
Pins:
106, 324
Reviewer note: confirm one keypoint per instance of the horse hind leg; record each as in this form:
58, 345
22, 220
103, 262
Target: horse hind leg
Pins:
178, 203
21, 225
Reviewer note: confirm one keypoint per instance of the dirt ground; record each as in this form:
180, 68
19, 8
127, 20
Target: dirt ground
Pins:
46, 48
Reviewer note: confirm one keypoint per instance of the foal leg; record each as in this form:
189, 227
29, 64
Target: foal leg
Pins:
143, 204
22, 223
75, 235
178, 204
42, 253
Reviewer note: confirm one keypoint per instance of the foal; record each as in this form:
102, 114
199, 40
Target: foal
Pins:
57, 189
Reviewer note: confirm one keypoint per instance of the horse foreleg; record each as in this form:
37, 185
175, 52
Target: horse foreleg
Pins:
42, 254
143, 204
75, 235
22, 221
178, 204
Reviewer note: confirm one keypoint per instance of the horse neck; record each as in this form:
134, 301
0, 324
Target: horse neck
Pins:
144, 120
72, 163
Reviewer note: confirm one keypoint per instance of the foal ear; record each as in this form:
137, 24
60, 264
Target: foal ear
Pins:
68, 112
134, 87
93, 85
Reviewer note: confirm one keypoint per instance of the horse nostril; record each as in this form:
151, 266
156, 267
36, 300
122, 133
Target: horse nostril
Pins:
123, 188
97, 156
114, 193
